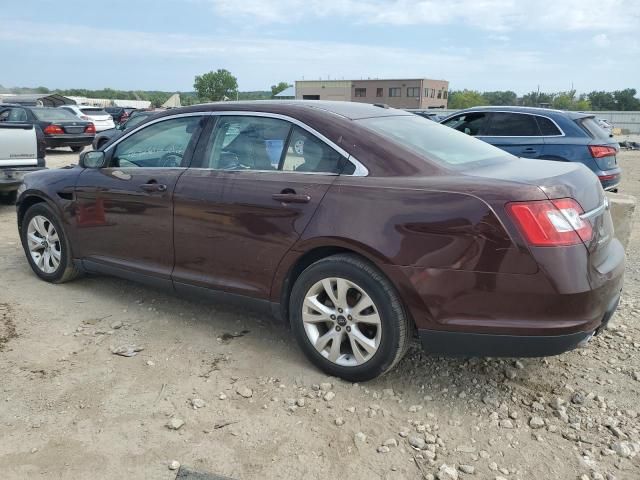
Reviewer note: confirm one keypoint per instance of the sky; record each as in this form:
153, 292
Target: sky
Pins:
477, 44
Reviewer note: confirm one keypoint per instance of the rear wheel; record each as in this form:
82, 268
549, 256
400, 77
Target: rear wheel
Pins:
77, 149
348, 318
46, 245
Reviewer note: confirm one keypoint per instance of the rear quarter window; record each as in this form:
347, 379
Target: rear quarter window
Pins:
547, 127
591, 127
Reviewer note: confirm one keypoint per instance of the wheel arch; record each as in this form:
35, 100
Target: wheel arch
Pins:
26, 202
296, 261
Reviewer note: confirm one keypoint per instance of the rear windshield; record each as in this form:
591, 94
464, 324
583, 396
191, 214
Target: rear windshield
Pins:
54, 115
93, 111
592, 127
436, 142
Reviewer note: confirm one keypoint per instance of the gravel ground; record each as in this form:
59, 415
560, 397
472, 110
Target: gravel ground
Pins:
224, 390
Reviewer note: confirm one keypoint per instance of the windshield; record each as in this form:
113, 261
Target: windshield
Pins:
54, 115
436, 142
135, 120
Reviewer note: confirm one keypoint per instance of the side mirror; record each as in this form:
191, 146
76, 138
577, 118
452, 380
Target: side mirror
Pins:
92, 159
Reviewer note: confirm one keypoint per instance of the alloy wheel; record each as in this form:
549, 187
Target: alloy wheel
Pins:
44, 244
341, 321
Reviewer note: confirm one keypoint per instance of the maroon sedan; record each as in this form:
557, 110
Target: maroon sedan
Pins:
358, 225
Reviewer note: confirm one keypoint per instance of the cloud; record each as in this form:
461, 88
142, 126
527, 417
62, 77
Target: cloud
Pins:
496, 15
601, 40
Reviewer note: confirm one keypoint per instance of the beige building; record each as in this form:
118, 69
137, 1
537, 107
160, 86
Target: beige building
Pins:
421, 93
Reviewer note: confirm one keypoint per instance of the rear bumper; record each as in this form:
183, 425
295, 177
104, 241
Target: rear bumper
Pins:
68, 140
482, 344
11, 178
610, 179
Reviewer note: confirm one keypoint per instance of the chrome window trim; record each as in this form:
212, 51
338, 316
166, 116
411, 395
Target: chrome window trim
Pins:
360, 169
157, 120
562, 134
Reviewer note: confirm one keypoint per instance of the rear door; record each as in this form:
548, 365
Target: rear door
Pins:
260, 182
124, 212
516, 133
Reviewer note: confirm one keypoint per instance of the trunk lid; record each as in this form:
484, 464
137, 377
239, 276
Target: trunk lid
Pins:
600, 137
73, 127
562, 180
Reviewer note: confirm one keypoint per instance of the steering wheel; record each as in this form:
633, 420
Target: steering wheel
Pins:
171, 159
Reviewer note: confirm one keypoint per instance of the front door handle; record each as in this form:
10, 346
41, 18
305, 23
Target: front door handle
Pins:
291, 198
154, 187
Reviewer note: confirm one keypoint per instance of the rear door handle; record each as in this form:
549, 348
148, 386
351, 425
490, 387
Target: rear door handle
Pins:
291, 198
153, 187
530, 149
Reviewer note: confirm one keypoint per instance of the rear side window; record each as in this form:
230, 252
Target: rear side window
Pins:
547, 127
470, 123
504, 124
434, 141
305, 153
590, 125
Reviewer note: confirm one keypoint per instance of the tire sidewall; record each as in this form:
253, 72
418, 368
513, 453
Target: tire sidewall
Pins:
45, 211
390, 335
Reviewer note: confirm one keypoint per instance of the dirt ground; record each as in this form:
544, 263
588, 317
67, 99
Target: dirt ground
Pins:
254, 408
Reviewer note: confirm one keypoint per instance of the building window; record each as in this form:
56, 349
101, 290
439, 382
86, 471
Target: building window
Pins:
433, 93
439, 93
444, 95
361, 92
413, 92
394, 92
426, 93
379, 92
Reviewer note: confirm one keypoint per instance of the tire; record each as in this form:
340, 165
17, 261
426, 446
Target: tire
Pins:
362, 281
65, 270
77, 149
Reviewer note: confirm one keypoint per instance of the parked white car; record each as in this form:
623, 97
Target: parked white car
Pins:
97, 115
22, 150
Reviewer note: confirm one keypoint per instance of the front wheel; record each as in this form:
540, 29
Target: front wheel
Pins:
348, 318
46, 246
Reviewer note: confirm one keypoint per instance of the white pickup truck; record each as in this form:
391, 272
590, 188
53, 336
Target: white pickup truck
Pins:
22, 150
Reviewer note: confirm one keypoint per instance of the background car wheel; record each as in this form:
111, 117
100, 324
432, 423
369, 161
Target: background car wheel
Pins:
77, 149
348, 318
46, 245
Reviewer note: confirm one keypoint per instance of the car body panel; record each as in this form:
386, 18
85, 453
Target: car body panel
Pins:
442, 236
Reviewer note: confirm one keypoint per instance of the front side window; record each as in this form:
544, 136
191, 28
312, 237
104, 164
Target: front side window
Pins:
434, 141
504, 124
160, 145
472, 123
361, 92
394, 92
413, 92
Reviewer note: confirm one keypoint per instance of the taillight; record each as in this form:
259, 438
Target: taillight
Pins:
91, 128
600, 151
53, 130
550, 223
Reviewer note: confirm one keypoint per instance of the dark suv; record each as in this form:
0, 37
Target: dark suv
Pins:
544, 134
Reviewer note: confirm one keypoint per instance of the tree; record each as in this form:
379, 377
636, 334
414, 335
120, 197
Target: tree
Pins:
276, 89
564, 100
465, 99
506, 97
626, 99
215, 86
535, 99
602, 100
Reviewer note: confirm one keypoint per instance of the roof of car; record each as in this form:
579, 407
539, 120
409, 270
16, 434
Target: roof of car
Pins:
532, 110
350, 110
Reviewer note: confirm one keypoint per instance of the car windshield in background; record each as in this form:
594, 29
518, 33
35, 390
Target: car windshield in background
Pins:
434, 141
93, 111
54, 115
590, 124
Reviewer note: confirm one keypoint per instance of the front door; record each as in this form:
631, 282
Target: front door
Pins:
124, 212
260, 182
